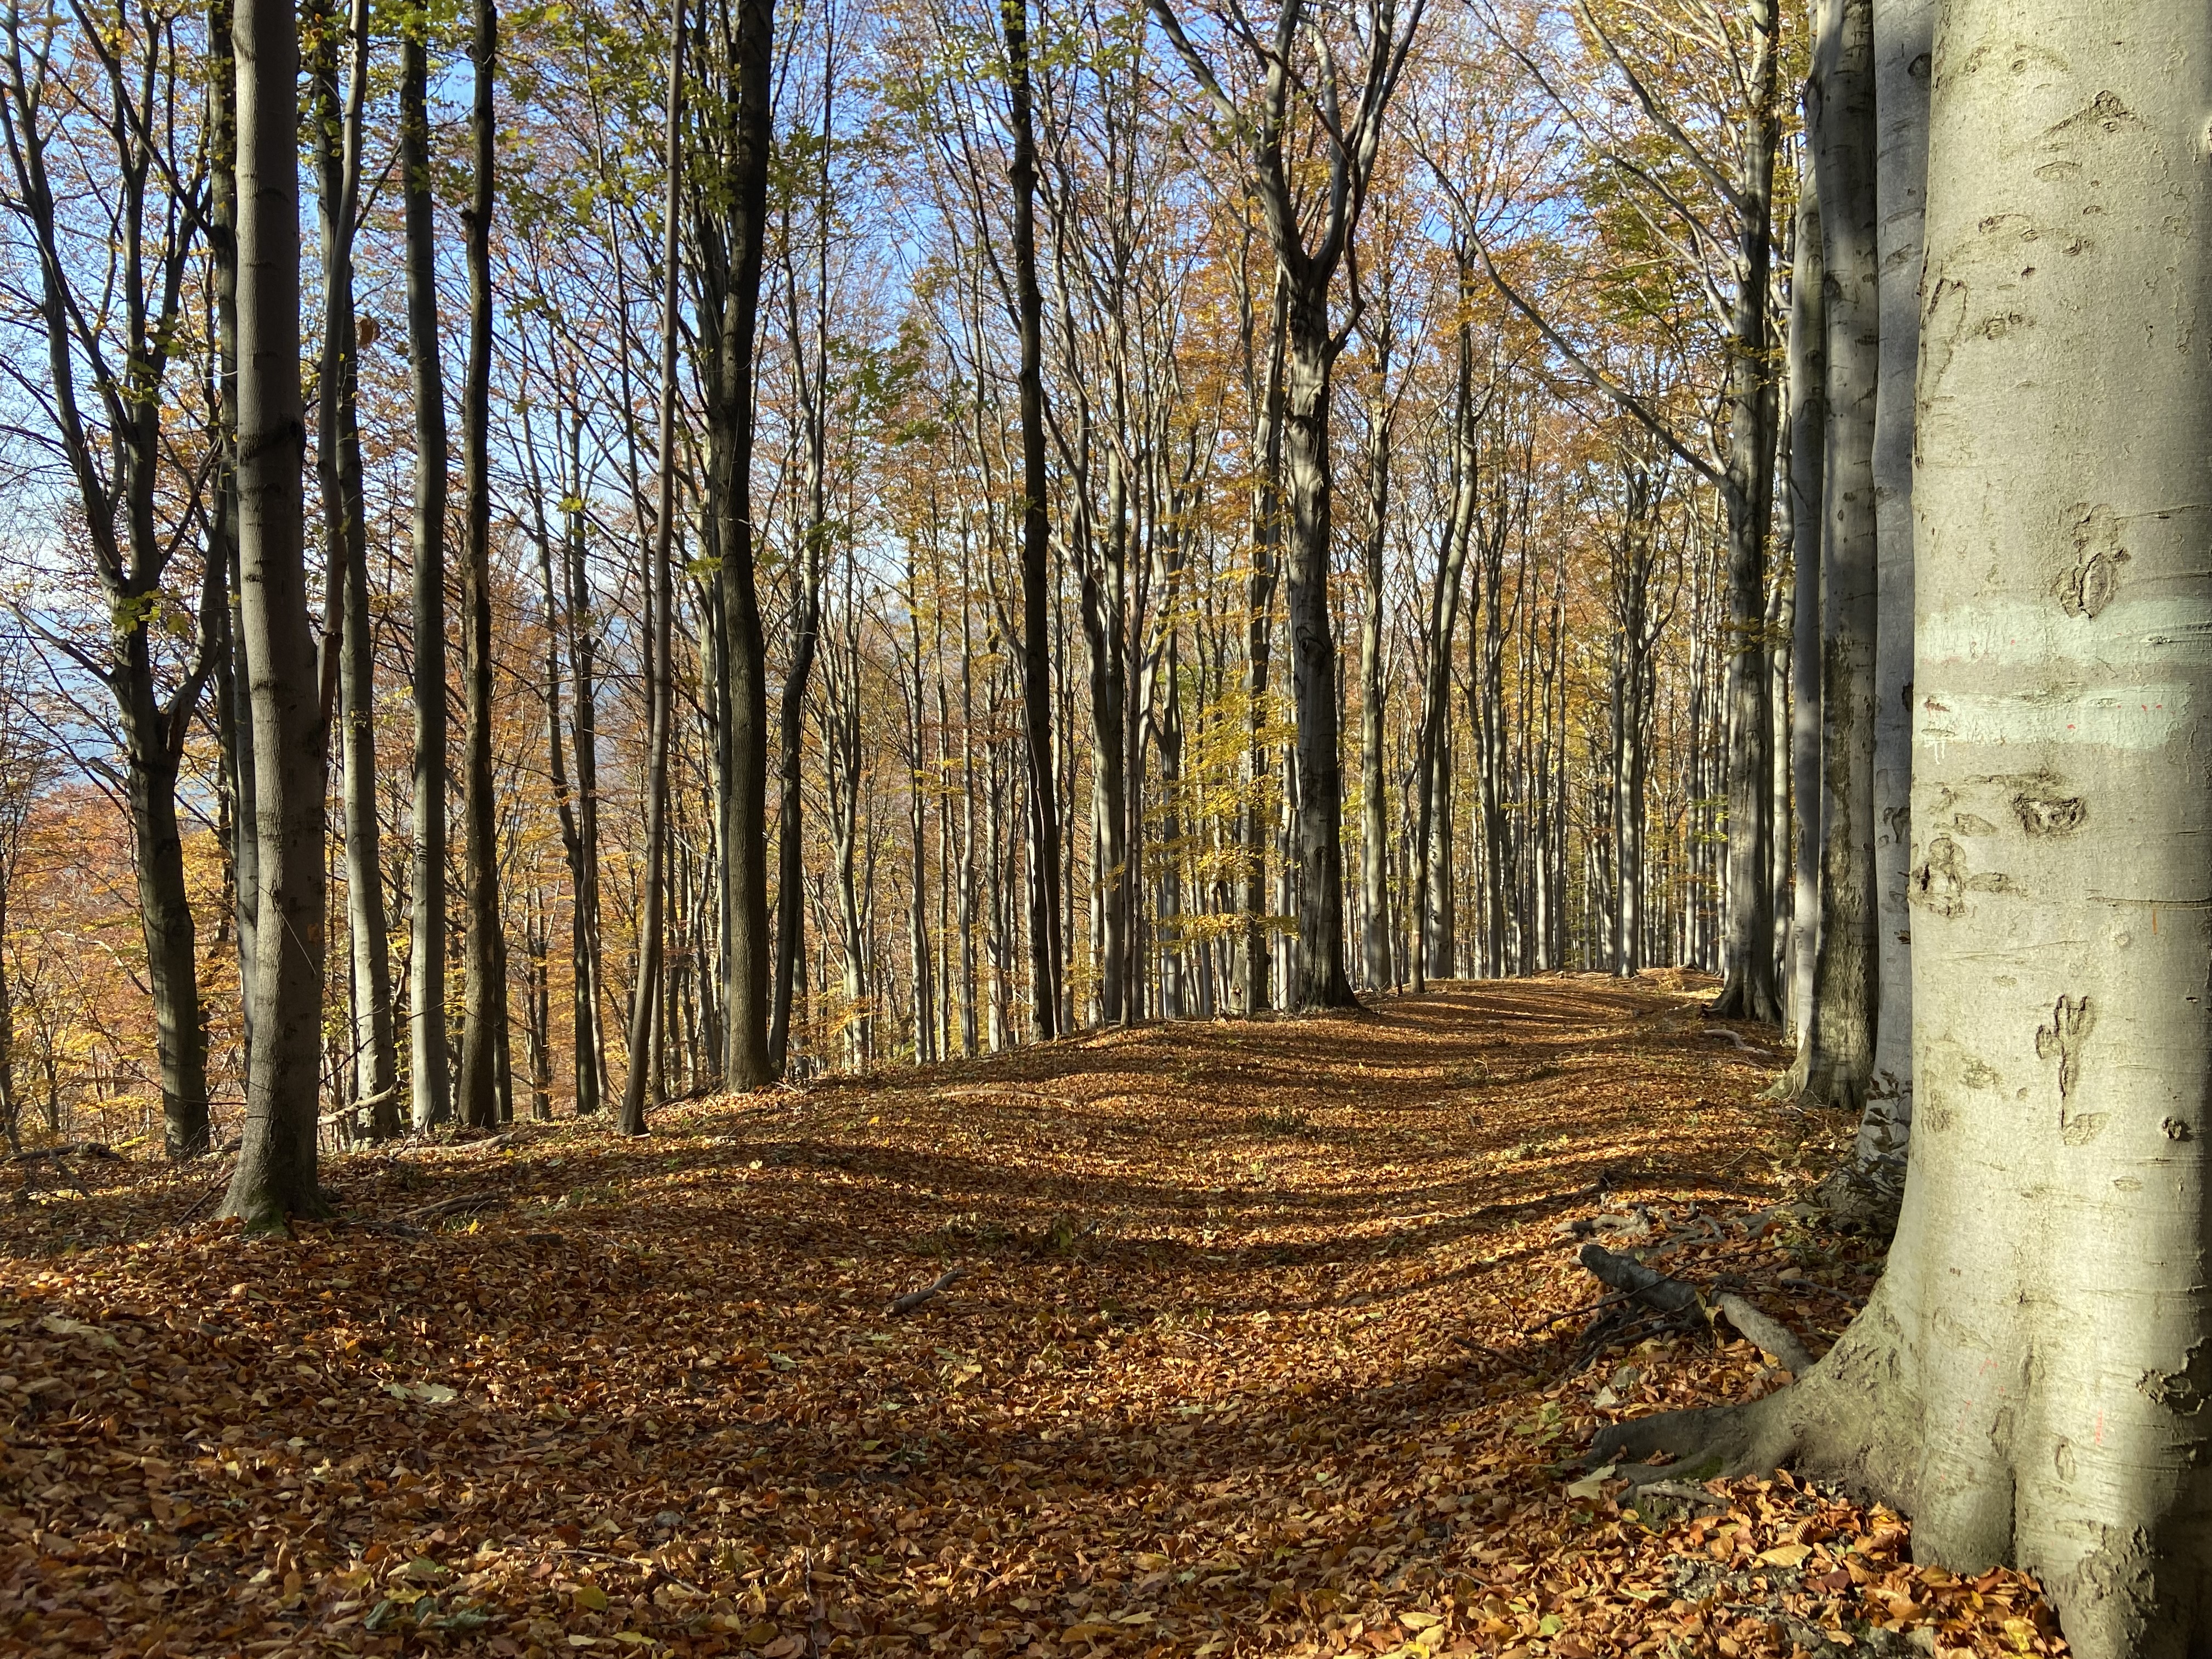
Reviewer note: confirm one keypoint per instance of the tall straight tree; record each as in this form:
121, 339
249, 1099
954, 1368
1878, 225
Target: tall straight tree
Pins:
1047, 952
730, 233
1902, 36
810, 359
275, 1177
647, 1004
337, 118
429, 1063
1837, 1064
483, 994
114, 453
2045, 1406
1809, 434
1311, 344
1742, 229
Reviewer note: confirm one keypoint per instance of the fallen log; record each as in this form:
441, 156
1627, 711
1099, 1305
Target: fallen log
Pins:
72, 1149
1656, 1289
1774, 1337
453, 1206
913, 1299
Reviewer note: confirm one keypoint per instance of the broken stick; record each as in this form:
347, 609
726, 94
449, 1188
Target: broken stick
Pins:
913, 1299
1649, 1285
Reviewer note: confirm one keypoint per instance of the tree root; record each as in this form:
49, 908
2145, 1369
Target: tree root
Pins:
1846, 1419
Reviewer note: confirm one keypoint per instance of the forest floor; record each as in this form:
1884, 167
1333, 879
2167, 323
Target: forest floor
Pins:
1272, 1340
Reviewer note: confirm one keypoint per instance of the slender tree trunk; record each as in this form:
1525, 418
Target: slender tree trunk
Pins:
1431, 937
733, 246
806, 620
1749, 992
483, 995
1259, 648
583, 648
1047, 954
1809, 434
1374, 840
647, 1018
1903, 38
338, 120
1839, 104
275, 1176
430, 1064
233, 694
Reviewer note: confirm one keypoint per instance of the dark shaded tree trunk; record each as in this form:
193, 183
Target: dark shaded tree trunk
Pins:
1047, 952
1749, 991
483, 993
731, 238
276, 1177
1839, 1062
648, 1012
429, 1063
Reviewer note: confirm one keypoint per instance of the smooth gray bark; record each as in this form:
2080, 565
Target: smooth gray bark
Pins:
648, 1008
1903, 38
429, 1064
1809, 434
275, 1177
1838, 1063
2029, 1383
337, 118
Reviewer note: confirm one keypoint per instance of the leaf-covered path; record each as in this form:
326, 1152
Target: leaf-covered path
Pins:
1255, 1352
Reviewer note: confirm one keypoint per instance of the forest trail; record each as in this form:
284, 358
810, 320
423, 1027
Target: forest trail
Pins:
1251, 1357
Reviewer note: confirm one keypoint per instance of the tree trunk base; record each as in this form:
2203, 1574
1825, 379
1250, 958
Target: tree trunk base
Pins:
1845, 1421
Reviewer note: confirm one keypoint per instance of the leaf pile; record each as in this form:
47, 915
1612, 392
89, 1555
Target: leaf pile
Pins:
1268, 1340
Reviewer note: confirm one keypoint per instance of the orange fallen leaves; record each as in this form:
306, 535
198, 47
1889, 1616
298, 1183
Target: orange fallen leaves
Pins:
1238, 1367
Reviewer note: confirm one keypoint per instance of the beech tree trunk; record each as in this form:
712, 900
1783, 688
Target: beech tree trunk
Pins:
1318, 979
483, 993
2029, 1382
1903, 32
1749, 991
731, 247
337, 119
1838, 1063
429, 1063
1374, 839
275, 1177
1047, 954
1808, 437
649, 1013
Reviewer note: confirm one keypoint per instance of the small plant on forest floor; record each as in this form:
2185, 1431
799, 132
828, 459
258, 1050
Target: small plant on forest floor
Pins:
1280, 1123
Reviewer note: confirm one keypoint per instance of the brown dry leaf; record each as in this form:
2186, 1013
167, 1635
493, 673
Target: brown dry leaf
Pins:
1268, 1344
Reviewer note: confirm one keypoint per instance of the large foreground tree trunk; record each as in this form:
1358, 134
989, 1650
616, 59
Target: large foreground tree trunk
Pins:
275, 1172
2030, 1382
